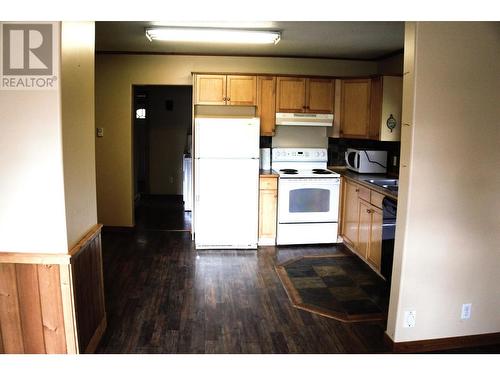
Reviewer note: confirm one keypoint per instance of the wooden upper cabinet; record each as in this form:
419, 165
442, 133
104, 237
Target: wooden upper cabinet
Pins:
313, 95
355, 108
211, 89
320, 96
266, 104
290, 94
367, 106
241, 90
226, 89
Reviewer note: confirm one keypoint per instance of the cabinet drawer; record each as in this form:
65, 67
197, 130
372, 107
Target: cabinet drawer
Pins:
363, 193
268, 183
376, 199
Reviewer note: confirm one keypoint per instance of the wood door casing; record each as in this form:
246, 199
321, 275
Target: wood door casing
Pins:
290, 94
266, 104
320, 95
241, 90
355, 108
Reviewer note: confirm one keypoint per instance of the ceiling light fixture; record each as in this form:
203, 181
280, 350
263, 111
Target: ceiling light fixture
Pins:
207, 35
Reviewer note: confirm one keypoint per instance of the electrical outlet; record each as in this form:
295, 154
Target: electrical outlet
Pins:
395, 161
100, 132
410, 318
466, 310
171, 179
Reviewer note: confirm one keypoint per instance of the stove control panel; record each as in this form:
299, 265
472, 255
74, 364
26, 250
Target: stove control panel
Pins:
299, 154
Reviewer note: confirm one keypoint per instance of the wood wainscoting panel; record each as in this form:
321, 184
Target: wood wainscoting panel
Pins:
10, 318
52, 310
30, 308
88, 289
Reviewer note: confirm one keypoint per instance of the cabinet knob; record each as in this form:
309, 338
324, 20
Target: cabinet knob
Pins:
228, 99
357, 190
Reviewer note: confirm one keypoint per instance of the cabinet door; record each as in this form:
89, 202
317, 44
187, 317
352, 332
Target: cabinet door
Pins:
267, 213
365, 217
211, 89
375, 248
291, 94
320, 95
241, 90
266, 104
355, 108
350, 218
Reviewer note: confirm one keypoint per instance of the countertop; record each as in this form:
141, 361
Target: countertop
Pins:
269, 173
361, 177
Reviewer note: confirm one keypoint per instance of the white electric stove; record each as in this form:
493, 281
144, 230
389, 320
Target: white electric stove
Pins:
308, 196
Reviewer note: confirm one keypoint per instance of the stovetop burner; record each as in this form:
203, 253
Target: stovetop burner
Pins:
322, 171
289, 171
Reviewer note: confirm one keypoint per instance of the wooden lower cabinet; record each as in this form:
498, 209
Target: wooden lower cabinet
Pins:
268, 203
362, 223
350, 220
374, 255
53, 303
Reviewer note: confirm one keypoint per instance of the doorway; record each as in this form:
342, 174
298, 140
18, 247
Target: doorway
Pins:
162, 118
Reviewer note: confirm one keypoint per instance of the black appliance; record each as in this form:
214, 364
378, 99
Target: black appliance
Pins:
389, 210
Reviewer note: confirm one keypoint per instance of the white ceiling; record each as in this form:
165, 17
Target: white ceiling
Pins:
346, 40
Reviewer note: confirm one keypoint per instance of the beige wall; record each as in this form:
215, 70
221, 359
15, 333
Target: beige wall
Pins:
47, 168
77, 103
115, 75
447, 251
391, 66
32, 214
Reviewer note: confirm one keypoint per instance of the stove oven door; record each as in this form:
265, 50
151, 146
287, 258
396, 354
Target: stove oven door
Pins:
308, 200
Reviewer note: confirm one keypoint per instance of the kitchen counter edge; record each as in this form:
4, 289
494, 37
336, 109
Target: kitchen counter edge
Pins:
268, 173
360, 179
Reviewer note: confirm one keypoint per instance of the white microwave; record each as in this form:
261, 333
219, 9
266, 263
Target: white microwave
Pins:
366, 161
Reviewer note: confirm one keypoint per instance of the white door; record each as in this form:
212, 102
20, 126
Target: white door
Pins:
308, 200
226, 203
227, 138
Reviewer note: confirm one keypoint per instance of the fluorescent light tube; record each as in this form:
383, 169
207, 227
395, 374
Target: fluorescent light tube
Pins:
207, 35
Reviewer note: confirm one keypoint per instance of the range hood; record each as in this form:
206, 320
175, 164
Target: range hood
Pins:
304, 119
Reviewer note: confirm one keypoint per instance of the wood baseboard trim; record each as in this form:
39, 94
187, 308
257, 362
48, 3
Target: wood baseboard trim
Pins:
447, 343
96, 338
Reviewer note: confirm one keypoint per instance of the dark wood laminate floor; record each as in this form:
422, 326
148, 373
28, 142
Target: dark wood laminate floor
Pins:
164, 297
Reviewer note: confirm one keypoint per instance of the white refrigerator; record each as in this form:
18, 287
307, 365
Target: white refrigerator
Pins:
226, 183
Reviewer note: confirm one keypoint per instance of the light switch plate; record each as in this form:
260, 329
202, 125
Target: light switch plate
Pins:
466, 311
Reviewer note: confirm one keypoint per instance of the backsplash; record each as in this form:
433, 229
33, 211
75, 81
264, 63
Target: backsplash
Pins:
266, 142
338, 146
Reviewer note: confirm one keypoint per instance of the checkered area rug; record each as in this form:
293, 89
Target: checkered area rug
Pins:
339, 286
